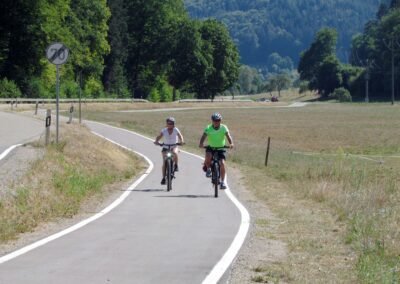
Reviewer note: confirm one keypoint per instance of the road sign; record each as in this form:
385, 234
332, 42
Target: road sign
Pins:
57, 53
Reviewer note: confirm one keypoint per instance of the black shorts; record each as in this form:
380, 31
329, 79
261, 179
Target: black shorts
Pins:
166, 149
221, 153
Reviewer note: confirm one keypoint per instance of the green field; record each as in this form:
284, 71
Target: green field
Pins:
332, 176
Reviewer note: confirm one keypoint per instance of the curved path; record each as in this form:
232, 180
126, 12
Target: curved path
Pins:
154, 236
16, 129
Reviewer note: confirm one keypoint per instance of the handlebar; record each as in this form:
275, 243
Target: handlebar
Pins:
170, 145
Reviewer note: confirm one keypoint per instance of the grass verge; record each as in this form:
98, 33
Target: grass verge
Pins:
70, 174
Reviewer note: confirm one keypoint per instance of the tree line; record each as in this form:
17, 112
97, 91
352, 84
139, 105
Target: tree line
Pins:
371, 73
263, 27
147, 49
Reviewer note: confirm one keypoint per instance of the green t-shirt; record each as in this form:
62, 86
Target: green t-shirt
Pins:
216, 138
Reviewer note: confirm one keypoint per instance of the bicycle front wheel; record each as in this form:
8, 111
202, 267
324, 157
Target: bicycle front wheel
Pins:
169, 174
215, 174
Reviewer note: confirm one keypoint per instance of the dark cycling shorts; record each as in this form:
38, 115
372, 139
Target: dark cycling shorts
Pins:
221, 153
166, 149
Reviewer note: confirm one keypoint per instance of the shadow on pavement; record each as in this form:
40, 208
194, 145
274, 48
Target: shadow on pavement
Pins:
185, 196
147, 190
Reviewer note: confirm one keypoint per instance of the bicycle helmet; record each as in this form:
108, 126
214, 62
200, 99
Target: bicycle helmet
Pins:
216, 117
170, 119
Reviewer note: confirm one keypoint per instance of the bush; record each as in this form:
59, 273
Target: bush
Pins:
36, 88
341, 94
69, 89
93, 89
165, 92
154, 95
8, 89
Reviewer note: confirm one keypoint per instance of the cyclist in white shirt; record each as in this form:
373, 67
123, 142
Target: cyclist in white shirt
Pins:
171, 135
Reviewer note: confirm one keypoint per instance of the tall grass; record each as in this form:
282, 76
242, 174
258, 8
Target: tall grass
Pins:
363, 193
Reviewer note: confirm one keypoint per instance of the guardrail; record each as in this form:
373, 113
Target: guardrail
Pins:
214, 101
84, 100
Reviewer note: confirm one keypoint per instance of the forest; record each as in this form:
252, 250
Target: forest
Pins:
286, 27
147, 49
373, 57
163, 50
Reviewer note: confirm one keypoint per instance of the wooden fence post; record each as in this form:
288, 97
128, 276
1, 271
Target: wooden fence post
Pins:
266, 157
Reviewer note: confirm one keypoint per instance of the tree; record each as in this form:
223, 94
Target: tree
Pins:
329, 76
249, 80
88, 23
319, 55
225, 60
82, 27
192, 59
152, 25
114, 76
280, 81
21, 41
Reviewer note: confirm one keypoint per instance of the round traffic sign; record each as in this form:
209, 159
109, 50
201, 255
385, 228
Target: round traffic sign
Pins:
57, 53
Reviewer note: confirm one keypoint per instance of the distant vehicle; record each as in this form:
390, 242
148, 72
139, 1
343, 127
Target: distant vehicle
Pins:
263, 100
274, 99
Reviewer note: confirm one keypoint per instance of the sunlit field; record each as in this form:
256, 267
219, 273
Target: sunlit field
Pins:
340, 161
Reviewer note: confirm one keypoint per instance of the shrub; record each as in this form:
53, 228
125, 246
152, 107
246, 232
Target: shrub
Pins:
165, 91
69, 89
36, 88
154, 95
8, 89
93, 88
341, 94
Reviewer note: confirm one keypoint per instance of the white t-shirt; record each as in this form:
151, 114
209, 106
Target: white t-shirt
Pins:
170, 139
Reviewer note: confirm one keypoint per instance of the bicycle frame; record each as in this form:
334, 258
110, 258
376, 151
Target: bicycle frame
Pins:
169, 164
215, 168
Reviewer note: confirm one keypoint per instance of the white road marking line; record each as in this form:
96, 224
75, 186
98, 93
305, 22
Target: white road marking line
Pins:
79, 225
218, 270
6, 152
223, 264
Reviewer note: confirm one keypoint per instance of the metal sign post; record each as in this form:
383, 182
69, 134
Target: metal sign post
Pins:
57, 53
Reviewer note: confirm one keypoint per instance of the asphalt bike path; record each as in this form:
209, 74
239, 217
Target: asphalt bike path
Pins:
153, 236
16, 129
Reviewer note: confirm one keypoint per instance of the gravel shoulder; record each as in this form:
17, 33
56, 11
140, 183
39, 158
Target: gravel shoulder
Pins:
16, 164
259, 248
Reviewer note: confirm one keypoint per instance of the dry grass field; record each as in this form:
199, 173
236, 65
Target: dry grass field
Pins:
332, 177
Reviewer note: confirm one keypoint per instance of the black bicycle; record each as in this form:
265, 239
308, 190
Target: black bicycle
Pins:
169, 163
215, 167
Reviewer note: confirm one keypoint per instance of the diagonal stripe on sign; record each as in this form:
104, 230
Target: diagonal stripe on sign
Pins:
57, 53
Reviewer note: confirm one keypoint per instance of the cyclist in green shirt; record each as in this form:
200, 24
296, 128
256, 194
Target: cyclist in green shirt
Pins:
216, 134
